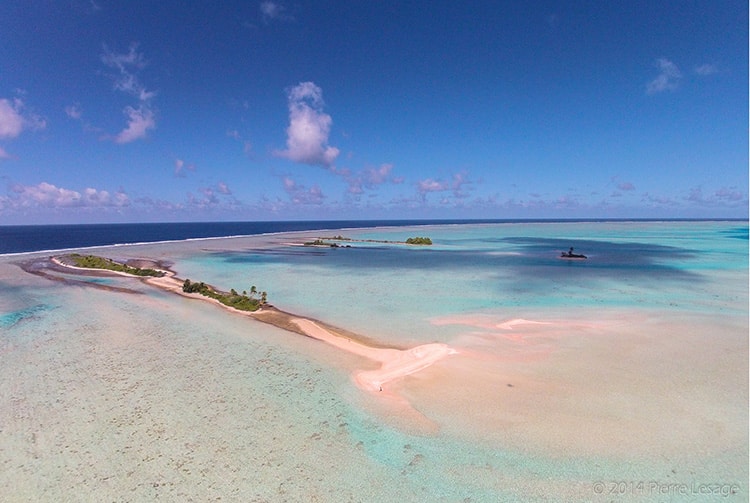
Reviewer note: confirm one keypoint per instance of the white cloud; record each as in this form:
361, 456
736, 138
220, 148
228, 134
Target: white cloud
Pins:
706, 69
724, 196
309, 127
377, 176
13, 121
48, 195
139, 122
127, 65
210, 197
668, 79
97, 198
299, 194
223, 188
658, 200
731, 194
455, 185
74, 111
132, 58
140, 119
430, 185
274, 11
180, 167
369, 178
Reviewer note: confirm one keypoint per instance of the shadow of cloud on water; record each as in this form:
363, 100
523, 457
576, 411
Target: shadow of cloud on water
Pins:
605, 258
528, 258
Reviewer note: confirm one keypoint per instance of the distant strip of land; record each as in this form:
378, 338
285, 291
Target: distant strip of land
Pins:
335, 240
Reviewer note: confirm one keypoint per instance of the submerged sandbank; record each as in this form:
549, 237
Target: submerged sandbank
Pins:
552, 380
394, 363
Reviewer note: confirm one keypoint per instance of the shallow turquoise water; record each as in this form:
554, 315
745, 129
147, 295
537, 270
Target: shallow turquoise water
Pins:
489, 267
119, 396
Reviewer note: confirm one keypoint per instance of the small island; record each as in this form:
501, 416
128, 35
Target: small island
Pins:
241, 302
333, 241
323, 242
95, 262
419, 241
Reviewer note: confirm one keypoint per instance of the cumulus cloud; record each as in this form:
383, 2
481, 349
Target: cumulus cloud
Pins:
725, 196
369, 178
430, 185
309, 127
456, 185
210, 196
48, 195
299, 194
668, 79
140, 120
13, 119
729, 194
11, 122
377, 176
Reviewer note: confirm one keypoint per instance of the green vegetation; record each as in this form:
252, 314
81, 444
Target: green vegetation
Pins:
323, 242
327, 241
94, 262
419, 241
242, 302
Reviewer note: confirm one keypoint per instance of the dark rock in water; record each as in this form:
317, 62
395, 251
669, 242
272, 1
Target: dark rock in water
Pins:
570, 254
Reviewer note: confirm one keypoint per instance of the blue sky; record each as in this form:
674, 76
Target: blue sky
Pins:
195, 111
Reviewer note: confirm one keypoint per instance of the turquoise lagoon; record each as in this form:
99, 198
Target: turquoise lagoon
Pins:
622, 377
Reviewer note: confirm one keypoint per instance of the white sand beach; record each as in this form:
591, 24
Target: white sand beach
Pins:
395, 363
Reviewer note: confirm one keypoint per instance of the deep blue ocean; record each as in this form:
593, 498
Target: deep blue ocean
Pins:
35, 238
